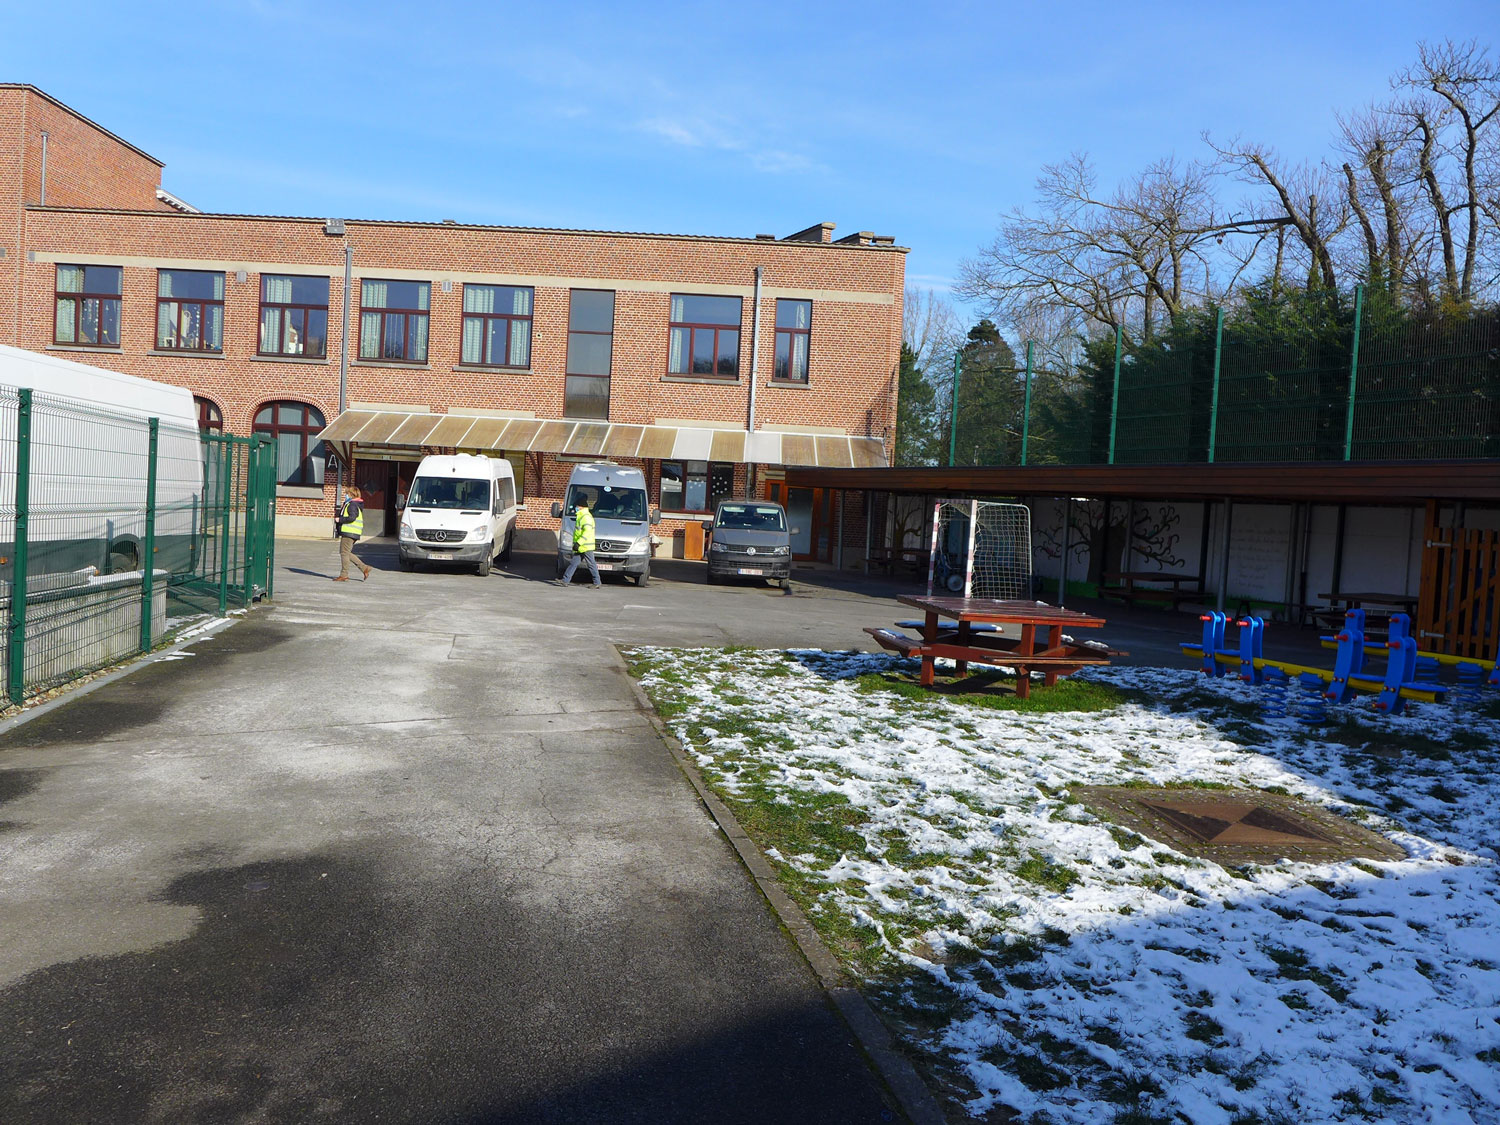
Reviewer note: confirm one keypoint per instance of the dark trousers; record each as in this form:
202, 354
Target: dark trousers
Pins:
586, 556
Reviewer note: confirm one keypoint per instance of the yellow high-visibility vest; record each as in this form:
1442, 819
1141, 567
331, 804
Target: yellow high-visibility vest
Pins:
354, 527
583, 531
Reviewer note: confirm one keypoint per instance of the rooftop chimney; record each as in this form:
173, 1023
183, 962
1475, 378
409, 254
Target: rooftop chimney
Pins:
818, 232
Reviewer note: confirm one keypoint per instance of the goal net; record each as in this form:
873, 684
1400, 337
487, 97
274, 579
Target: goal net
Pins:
980, 549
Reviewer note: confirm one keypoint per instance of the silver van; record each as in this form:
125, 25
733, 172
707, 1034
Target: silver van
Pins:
623, 519
749, 539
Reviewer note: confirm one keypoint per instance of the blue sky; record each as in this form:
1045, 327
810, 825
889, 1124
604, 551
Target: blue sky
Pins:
926, 124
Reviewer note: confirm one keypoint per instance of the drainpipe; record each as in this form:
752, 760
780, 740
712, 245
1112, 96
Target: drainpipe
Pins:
43, 200
344, 347
754, 348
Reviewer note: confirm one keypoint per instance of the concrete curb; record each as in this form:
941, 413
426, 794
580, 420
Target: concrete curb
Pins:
898, 1074
135, 665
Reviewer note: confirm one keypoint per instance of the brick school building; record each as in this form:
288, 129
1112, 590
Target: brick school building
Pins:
711, 363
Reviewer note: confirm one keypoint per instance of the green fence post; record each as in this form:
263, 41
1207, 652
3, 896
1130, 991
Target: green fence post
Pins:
1114, 405
1213, 410
16, 681
270, 483
148, 541
1026, 407
1359, 308
958, 366
224, 529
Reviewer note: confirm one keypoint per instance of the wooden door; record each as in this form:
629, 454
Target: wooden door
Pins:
1459, 608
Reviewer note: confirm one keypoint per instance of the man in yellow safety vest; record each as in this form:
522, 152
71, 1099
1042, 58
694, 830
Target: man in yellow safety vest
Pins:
351, 525
583, 543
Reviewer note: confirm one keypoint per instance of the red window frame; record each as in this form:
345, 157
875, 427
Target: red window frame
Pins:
791, 335
210, 417
486, 359
203, 304
78, 299
695, 327
307, 429
384, 313
288, 309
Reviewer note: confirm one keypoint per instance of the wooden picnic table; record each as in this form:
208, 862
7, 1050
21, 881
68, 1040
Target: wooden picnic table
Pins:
1052, 656
1151, 586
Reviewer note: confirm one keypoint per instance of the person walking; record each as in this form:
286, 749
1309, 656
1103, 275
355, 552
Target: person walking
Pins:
583, 543
351, 525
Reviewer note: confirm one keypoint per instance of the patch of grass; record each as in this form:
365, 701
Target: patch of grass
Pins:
1042, 871
992, 692
1127, 841
1204, 1028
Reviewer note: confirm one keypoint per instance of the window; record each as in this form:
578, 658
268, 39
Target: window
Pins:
88, 306
189, 311
705, 337
295, 425
210, 417
294, 316
695, 486
393, 320
497, 326
591, 327
793, 329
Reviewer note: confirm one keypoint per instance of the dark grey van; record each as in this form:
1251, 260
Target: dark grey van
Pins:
749, 539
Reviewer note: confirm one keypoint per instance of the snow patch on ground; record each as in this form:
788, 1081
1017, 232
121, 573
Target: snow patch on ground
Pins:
1073, 971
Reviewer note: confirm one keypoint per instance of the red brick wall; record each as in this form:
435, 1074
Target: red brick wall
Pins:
86, 166
854, 347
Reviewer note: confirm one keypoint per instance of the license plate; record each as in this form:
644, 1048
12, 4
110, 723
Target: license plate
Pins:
605, 566
751, 570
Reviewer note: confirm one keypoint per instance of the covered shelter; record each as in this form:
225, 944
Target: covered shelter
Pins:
1275, 536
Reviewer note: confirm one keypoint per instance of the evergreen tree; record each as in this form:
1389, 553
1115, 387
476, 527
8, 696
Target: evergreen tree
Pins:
990, 394
917, 415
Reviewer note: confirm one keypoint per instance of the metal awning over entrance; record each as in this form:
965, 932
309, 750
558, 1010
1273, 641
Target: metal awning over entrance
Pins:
387, 428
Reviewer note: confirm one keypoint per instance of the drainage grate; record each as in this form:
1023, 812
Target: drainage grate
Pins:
1237, 826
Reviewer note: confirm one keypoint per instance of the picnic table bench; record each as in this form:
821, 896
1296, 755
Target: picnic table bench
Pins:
949, 633
910, 561
1151, 586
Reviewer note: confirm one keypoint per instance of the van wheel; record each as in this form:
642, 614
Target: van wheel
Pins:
643, 578
510, 541
483, 569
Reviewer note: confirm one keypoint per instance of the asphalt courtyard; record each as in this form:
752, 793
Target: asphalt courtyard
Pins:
408, 850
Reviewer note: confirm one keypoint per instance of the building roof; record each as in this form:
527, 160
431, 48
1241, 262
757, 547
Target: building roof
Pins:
86, 120
1322, 482
449, 224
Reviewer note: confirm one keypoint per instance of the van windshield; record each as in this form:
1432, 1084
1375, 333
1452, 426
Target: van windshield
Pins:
614, 504
449, 492
751, 517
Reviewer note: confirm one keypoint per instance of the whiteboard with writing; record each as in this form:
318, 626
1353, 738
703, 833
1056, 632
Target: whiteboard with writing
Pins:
1260, 539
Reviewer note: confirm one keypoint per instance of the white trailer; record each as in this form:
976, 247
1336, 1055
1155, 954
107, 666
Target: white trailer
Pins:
89, 458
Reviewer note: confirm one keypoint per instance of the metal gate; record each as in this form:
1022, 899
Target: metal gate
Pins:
1459, 608
235, 561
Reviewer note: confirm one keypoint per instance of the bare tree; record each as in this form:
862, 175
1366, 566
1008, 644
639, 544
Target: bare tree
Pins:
1455, 117
930, 328
1135, 256
1306, 201
1381, 181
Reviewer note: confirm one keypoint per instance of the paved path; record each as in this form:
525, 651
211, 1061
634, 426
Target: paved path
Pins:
403, 851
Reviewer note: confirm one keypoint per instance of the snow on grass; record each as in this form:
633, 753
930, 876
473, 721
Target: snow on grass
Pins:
1047, 961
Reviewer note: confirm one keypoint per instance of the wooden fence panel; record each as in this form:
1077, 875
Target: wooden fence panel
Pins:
1459, 608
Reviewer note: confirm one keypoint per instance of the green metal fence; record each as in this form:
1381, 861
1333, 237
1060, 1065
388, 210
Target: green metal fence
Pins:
116, 528
1353, 378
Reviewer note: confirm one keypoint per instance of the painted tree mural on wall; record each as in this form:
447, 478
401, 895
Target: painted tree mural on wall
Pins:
1098, 536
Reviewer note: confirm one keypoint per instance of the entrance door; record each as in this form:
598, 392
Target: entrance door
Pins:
807, 513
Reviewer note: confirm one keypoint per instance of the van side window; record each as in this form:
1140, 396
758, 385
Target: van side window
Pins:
506, 498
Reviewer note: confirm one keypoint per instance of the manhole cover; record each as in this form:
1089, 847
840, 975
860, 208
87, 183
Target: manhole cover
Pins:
1236, 826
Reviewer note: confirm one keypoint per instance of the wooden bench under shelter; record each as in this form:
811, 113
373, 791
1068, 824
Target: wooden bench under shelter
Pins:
1151, 586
